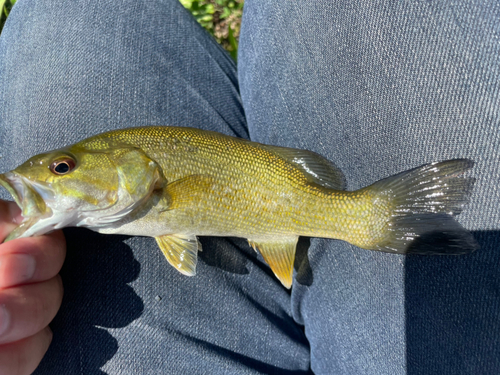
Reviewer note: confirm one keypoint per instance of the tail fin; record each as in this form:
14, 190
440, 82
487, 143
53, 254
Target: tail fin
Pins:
424, 201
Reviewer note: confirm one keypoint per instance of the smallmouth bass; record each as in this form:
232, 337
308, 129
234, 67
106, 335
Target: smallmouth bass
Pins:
175, 184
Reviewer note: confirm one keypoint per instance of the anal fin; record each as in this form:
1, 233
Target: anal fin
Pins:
279, 254
181, 251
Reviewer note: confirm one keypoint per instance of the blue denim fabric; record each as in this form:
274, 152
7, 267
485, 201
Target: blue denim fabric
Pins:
75, 68
376, 88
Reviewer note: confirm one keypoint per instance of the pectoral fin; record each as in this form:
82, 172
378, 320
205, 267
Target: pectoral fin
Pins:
181, 251
280, 255
189, 190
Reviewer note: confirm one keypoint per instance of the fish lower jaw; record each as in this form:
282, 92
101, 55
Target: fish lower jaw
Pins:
37, 226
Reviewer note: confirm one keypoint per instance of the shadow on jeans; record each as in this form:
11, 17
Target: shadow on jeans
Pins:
453, 311
111, 304
452, 306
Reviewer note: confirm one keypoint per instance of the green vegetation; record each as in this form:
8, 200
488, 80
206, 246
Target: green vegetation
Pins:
222, 18
5, 7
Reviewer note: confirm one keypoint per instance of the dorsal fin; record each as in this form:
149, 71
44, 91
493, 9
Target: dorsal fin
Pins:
316, 168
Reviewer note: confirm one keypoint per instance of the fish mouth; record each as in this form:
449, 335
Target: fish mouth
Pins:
11, 184
31, 198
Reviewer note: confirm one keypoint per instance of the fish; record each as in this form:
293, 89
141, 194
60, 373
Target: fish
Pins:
178, 183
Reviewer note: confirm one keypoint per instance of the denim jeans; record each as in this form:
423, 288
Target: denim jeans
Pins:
377, 88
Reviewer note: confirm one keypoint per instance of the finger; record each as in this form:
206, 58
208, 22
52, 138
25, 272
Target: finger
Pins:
27, 309
32, 259
22, 357
10, 217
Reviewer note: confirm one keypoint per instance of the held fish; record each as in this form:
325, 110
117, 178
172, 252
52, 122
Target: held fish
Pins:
174, 184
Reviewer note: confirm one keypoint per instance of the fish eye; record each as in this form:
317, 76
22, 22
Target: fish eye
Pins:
62, 166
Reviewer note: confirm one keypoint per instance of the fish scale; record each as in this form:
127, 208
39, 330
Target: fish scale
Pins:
247, 173
174, 184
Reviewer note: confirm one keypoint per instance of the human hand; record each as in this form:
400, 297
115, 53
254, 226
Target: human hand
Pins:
30, 293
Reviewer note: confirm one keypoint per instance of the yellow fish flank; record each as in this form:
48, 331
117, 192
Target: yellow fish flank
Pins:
175, 183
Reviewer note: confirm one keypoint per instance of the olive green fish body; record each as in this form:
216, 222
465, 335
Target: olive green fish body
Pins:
178, 183
235, 187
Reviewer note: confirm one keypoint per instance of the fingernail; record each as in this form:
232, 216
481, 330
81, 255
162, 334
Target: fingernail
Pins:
16, 269
4, 319
15, 213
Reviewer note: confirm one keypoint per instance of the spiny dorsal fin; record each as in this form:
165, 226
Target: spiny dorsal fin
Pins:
317, 169
280, 255
181, 251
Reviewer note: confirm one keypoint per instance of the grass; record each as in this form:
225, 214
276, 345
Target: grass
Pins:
222, 19
5, 7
